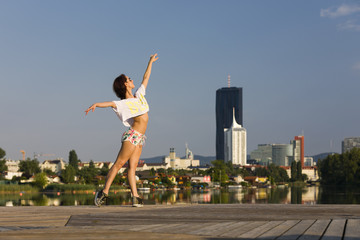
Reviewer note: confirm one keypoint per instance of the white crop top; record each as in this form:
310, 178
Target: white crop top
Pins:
127, 109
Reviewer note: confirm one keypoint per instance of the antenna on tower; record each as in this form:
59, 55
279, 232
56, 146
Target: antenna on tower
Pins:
228, 80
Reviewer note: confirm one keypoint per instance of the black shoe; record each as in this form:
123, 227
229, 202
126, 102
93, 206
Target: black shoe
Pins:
100, 198
137, 202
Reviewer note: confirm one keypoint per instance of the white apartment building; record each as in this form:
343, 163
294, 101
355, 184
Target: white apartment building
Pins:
54, 165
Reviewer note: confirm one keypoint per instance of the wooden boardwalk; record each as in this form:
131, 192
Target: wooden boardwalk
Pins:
325, 222
289, 229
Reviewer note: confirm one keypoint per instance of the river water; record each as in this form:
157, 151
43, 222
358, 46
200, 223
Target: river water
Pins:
277, 195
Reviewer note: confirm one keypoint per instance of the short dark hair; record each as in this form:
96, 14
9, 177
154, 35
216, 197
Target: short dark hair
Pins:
119, 86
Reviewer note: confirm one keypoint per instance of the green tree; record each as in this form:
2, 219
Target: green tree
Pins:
261, 172
293, 171
2, 153
104, 170
68, 174
3, 166
40, 180
299, 171
87, 174
219, 171
277, 173
341, 169
48, 171
74, 160
29, 167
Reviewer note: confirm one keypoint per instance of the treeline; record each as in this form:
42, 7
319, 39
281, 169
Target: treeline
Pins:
275, 173
341, 169
71, 173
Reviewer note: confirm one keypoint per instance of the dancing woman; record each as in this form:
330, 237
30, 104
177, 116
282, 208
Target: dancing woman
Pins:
133, 112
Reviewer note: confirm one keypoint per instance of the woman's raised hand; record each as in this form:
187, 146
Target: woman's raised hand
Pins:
153, 58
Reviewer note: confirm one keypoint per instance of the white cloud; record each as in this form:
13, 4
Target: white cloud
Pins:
343, 10
350, 25
356, 66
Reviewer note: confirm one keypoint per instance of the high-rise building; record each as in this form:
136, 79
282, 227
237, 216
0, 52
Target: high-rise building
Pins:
226, 100
235, 143
298, 149
350, 143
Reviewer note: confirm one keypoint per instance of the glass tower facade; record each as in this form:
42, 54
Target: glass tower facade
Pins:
226, 100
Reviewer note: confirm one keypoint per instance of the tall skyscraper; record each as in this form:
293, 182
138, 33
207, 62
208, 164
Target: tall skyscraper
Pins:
235, 144
298, 149
227, 99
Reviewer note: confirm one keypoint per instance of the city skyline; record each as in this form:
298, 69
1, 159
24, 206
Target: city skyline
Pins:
297, 62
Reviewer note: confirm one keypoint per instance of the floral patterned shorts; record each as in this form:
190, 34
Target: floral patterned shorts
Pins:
134, 137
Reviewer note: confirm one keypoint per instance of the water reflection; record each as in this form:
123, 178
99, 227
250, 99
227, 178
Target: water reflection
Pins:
278, 195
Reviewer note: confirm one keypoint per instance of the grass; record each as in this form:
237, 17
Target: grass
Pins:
14, 188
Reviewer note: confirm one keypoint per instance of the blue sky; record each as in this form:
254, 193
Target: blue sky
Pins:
297, 61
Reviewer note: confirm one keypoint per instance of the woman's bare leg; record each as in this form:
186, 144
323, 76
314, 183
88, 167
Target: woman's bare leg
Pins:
133, 162
126, 151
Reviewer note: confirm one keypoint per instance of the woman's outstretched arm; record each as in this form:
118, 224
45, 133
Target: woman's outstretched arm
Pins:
146, 77
100, 105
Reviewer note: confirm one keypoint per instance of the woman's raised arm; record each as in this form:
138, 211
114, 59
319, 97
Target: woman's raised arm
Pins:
147, 73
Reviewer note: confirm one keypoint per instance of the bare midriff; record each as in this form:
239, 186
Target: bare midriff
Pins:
140, 123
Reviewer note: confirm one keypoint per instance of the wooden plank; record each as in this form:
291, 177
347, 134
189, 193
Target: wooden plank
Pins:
335, 230
296, 231
260, 230
316, 230
163, 228
352, 230
217, 230
230, 227
209, 226
278, 230
243, 229
186, 227
141, 228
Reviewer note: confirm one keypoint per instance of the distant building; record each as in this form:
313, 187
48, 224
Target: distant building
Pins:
350, 143
235, 143
12, 165
54, 165
282, 154
263, 154
13, 169
96, 164
308, 161
142, 166
310, 172
175, 162
298, 150
226, 100
201, 179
